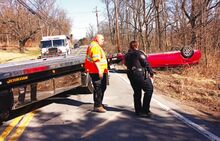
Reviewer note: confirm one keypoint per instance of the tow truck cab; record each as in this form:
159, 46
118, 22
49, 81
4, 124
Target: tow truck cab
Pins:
54, 46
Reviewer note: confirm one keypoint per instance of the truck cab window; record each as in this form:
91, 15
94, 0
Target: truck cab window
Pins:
45, 44
57, 43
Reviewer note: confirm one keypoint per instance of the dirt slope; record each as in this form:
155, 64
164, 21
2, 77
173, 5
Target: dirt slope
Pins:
200, 93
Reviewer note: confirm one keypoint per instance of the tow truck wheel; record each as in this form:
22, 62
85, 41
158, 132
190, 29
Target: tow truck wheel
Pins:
4, 116
6, 104
87, 86
90, 87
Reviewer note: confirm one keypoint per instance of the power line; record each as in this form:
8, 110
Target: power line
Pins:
39, 11
42, 16
30, 9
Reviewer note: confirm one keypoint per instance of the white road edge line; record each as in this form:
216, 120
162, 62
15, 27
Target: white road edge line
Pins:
201, 130
195, 126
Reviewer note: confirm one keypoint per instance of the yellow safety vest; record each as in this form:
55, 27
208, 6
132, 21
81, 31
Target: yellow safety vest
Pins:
94, 54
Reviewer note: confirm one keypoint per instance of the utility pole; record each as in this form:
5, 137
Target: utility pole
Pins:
117, 26
97, 17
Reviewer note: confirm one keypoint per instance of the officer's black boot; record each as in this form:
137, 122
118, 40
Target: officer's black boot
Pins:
146, 104
137, 104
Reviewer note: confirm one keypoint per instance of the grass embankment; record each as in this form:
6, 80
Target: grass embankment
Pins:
195, 86
190, 89
15, 55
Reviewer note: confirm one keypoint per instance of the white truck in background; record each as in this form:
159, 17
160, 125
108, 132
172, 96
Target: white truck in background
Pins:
54, 46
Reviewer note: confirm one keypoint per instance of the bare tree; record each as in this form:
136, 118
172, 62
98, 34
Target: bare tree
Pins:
90, 32
21, 23
24, 19
110, 19
157, 6
193, 9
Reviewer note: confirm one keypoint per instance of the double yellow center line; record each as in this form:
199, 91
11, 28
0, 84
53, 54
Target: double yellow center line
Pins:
20, 123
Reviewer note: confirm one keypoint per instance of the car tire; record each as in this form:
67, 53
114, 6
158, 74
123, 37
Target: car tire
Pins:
187, 52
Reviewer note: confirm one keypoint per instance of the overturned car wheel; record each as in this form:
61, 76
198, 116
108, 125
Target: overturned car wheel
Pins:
187, 52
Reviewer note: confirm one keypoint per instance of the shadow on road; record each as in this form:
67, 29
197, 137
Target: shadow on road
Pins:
123, 126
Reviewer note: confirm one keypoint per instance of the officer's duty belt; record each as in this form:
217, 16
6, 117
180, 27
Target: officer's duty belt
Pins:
136, 69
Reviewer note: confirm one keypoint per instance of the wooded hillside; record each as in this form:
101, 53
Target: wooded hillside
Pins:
164, 25
23, 21
159, 25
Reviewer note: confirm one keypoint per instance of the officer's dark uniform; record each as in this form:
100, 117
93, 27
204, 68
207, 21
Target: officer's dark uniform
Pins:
138, 71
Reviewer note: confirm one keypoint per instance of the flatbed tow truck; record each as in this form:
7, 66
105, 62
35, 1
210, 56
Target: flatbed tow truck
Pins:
25, 82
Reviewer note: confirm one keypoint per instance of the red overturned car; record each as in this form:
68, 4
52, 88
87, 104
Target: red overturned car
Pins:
185, 56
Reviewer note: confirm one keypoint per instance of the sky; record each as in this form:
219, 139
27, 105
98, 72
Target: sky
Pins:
82, 14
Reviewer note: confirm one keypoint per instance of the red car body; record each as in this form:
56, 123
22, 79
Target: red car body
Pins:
166, 59
172, 59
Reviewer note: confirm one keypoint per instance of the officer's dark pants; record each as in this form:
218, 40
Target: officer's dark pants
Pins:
139, 83
99, 88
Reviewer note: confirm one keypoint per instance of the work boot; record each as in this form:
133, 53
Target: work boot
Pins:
148, 114
104, 106
99, 109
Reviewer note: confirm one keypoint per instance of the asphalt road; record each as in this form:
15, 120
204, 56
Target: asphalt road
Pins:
70, 117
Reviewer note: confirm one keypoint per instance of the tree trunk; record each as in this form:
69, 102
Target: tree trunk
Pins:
21, 45
158, 28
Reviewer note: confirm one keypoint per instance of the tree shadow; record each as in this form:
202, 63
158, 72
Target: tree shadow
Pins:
121, 124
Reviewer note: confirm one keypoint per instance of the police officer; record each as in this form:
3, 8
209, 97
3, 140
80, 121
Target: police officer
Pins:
140, 75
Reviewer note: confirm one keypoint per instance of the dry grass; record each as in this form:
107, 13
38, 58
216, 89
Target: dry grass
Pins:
14, 55
208, 68
196, 86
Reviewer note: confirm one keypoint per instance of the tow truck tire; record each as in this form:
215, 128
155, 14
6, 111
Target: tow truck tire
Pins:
87, 86
4, 116
6, 104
